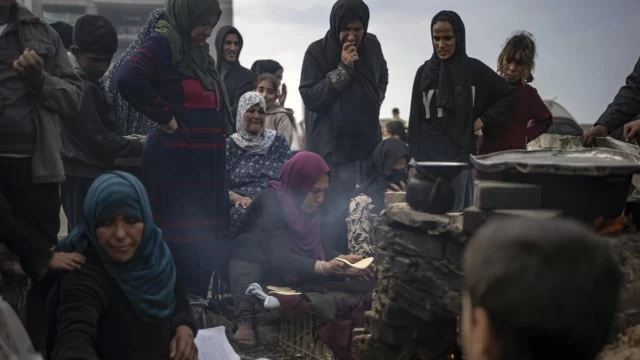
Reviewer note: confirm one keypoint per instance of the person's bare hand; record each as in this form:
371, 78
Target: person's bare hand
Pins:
243, 202
173, 124
171, 127
31, 67
412, 173
283, 95
477, 125
597, 131
349, 53
66, 261
337, 267
182, 345
631, 130
397, 188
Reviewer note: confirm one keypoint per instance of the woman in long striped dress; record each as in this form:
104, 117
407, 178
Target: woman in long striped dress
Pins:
173, 81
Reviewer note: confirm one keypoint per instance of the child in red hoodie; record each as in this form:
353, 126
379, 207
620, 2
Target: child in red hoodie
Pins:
531, 117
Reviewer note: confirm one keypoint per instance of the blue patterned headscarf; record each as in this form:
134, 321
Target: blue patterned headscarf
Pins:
149, 279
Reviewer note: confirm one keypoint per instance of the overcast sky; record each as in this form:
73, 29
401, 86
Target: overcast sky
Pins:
586, 48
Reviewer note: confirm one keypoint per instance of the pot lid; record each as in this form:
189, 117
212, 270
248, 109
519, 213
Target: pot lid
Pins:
581, 162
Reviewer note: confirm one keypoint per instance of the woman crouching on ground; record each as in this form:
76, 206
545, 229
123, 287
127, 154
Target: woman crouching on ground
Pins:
281, 238
124, 303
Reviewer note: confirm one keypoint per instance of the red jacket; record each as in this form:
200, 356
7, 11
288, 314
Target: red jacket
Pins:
528, 120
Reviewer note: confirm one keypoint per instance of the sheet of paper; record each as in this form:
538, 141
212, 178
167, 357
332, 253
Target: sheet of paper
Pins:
213, 345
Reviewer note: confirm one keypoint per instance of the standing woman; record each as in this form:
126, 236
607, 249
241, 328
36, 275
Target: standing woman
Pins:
173, 81
453, 96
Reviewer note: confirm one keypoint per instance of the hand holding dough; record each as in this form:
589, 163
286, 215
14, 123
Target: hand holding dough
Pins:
362, 264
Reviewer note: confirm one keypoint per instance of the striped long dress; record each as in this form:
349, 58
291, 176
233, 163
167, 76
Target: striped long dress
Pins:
184, 172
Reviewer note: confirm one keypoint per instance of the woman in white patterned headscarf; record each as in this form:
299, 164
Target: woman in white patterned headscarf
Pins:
254, 156
130, 121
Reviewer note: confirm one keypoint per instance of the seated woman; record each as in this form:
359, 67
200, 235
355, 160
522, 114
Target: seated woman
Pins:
124, 303
387, 170
281, 238
254, 156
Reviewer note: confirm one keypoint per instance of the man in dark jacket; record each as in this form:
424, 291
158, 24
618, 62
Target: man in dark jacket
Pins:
37, 85
238, 80
624, 108
90, 143
343, 83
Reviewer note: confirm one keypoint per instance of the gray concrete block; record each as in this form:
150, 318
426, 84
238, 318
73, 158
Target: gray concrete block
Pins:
474, 218
493, 195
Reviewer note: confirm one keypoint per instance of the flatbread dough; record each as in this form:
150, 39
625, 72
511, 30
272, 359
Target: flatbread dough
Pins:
282, 290
362, 264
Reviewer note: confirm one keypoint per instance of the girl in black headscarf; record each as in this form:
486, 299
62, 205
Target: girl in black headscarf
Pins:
387, 170
453, 96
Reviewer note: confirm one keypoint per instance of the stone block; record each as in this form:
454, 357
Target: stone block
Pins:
393, 314
404, 215
389, 334
395, 197
493, 195
474, 218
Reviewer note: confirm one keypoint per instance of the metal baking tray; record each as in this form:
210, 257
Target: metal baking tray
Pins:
580, 162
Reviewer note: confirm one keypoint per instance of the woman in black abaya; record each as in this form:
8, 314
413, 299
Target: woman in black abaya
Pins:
453, 96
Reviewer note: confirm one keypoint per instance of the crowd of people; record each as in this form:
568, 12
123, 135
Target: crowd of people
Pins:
233, 190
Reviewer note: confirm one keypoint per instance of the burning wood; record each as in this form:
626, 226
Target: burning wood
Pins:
612, 226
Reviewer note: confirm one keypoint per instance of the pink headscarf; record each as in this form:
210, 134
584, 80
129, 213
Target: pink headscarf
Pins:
298, 176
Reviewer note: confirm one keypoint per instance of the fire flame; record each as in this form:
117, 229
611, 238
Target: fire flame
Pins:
606, 227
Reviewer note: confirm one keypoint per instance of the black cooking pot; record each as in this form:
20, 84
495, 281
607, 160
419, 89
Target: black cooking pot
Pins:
430, 190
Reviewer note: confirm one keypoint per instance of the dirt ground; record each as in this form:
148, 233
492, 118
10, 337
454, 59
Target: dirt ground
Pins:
628, 348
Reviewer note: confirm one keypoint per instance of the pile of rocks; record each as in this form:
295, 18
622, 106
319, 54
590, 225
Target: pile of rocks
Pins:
417, 300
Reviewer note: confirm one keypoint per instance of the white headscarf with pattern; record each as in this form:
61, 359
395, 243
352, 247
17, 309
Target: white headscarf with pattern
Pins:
253, 143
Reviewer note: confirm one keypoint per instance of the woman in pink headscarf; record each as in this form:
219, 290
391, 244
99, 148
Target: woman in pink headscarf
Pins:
280, 241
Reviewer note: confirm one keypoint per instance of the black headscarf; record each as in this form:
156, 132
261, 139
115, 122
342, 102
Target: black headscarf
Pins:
342, 13
260, 67
379, 173
354, 115
449, 75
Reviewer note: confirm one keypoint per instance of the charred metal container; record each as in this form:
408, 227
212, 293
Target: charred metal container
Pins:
584, 183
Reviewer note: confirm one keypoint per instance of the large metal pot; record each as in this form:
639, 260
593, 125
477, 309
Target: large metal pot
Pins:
584, 183
430, 189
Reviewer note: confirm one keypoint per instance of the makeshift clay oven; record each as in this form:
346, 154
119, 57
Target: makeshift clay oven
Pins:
586, 183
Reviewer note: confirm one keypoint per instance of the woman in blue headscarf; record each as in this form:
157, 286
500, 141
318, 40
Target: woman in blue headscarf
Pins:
125, 302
